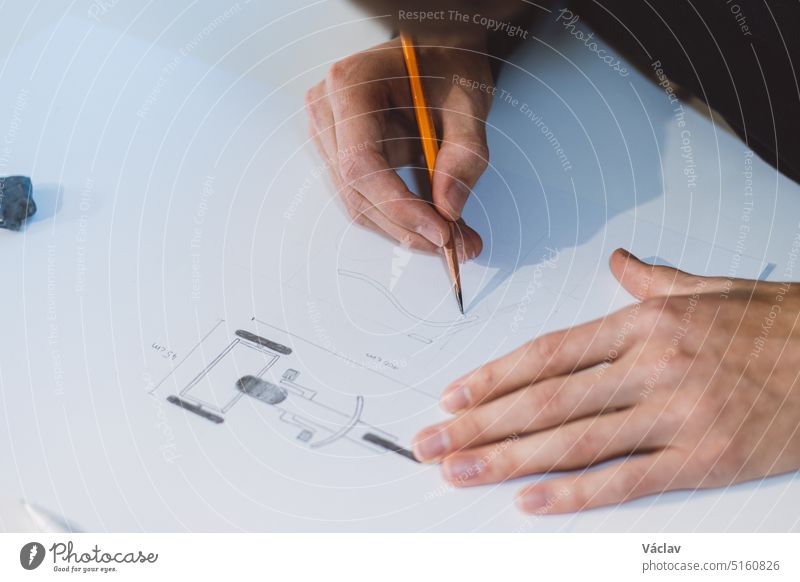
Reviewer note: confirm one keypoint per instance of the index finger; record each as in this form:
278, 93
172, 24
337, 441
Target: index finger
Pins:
553, 354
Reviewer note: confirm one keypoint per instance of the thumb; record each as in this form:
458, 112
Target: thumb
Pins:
463, 156
643, 280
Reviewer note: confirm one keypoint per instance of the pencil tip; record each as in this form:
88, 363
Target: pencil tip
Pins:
460, 302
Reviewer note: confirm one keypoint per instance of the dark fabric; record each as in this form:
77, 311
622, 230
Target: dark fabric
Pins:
740, 57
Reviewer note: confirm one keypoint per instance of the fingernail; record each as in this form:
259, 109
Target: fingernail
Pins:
468, 256
456, 196
628, 254
460, 469
433, 444
532, 500
456, 399
464, 254
432, 234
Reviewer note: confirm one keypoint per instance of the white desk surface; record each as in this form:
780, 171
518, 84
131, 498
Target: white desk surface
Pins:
120, 148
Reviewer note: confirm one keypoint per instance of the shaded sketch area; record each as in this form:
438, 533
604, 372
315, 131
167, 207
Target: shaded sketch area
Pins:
210, 390
247, 367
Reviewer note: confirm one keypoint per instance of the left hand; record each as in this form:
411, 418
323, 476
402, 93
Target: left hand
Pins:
695, 386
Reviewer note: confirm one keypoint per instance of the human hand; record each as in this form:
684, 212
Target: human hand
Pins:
363, 124
694, 387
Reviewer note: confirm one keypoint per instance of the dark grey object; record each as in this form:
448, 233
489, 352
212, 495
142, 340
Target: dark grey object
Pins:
261, 389
389, 446
16, 201
251, 337
199, 410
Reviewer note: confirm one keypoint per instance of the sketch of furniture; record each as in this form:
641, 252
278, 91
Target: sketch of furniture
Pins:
239, 370
245, 352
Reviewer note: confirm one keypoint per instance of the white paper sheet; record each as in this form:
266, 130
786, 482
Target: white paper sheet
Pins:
188, 240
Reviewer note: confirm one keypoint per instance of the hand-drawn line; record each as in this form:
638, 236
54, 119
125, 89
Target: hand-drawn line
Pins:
318, 418
344, 358
390, 296
319, 424
347, 427
244, 340
288, 379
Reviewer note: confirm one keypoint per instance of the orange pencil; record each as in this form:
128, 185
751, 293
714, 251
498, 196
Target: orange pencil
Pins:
430, 148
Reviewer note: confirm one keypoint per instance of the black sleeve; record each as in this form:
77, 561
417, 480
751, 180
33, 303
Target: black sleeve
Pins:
513, 20
739, 56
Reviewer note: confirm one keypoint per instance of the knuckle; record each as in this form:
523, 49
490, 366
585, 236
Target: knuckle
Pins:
483, 380
711, 461
734, 459
506, 463
543, 349
649, 316
632, 480
586, 446
352, 199
356, 206
479, 154
357, 166
465, 430
656, 315
349, 209
578, 496
402, 211
339, 73
673, 417
681, 361
310, 99
468, 154
352, 212
546, 400
707, 406
535, 399
674, 312
350, 169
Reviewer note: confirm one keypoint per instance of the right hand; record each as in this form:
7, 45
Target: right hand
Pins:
363, 124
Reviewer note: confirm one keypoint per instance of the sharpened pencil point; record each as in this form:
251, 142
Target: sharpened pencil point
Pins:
460, 301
